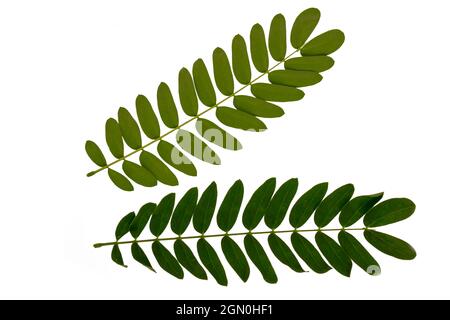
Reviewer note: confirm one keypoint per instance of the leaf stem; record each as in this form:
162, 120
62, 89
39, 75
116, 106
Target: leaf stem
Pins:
99, 245
90, 174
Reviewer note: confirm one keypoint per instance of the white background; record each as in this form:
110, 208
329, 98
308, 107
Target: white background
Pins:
379, 120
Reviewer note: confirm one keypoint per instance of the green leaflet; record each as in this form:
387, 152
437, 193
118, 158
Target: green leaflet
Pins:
186, 92
215, 134
283, 253
147, 117
222, 72
116, 256
332, 204
166, 260
257, 107
161, 215
175, 158
258, 48
114, 138
158, 169
140, 256
324, 44
303, 26
257, 205
274, 92
240, 60
183, 212
239, 120
186, 258
390, 245
123, 227
314, 63
211, 261
355, 251
196, 147
278, 206
358, 207
166, 106
139, 174
203, 84
231, 204
306, 204
277, 37
129, 129
94, 153
120, 180
236, 258
259, 258
335, 255
204, 210
141, 219
309, 254
389, 211
293, 78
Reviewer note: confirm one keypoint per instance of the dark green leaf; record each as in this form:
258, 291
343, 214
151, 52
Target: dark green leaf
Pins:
332, 204
303, 26
222, 72
389, 211
196, 147
123, 227
309, 253
277, 37
141, 219
176, 158
187, 259
335, 255
166, 260
147, 117
138, 174
236, 258
231, 204
211, 261
274, 92
116, 256
215, 134
94, 153
140, 256
203, 84
120, 180
186, 91
259, 258
240, 60
358, 253
306, 204
324, 44
278, 206
114, 138
314, 63
390, 245
166, 106
293, 78
258, 203
357, 207
239, 120
183, 212
257, 107
204, 211
161, 215
283, 253
159, 170
258, 48
129, 129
